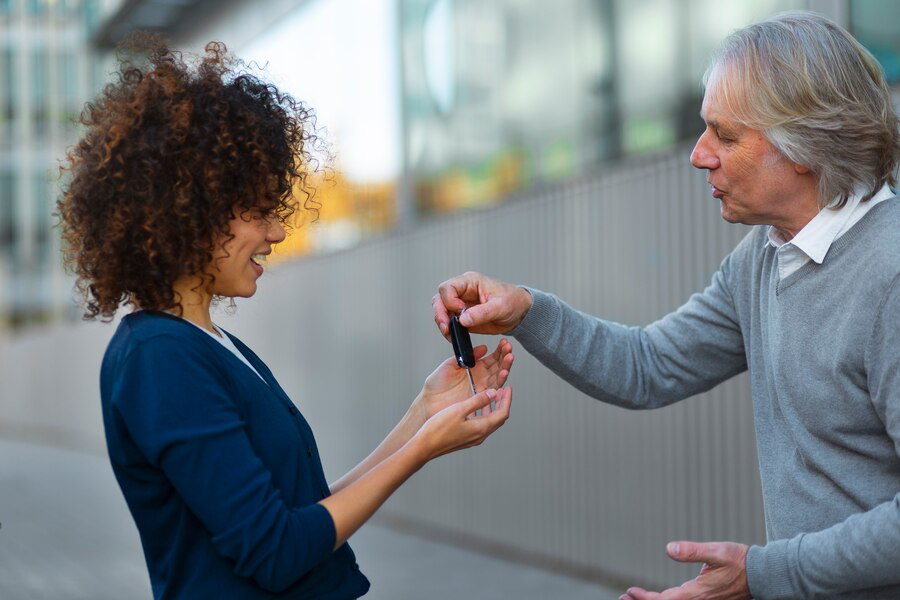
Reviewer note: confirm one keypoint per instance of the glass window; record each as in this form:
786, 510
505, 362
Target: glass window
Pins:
8, 193
42, 220
876, 24
7, 90
39, 98
36, 7
68, 86
90, 14
499, 95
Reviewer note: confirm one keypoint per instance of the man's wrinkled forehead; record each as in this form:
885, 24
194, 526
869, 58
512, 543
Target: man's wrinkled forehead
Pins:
724, 95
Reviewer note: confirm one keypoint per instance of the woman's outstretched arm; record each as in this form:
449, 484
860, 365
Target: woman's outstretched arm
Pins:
453, 428
447, 385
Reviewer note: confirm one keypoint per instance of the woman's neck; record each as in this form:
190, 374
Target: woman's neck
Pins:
194, 302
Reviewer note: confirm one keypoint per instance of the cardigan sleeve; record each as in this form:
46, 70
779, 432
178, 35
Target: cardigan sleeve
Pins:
176, 408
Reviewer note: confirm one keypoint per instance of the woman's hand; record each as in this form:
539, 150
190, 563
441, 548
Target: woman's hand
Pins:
449, 383
453, 428
456, 426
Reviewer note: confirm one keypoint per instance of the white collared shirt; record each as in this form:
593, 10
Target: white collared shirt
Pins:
813, 241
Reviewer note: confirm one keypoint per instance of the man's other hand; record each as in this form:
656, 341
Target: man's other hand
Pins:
722, 577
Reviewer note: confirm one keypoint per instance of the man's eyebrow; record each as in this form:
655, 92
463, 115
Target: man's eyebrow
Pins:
716, 125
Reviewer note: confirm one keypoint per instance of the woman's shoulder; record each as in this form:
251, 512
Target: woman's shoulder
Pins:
157, 332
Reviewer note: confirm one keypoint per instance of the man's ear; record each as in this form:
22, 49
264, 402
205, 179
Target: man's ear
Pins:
801, 169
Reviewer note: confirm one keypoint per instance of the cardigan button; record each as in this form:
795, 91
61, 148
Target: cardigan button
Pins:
309, 450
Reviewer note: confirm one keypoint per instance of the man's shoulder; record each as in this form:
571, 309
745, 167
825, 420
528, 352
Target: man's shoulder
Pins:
876, 238
884, 218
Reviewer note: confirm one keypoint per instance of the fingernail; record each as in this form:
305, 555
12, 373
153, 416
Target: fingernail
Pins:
465, 320
673, 548
491, 393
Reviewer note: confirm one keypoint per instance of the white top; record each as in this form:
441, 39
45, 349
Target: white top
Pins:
813, 241
223, 339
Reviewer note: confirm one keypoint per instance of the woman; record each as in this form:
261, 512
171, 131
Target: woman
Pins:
182, 181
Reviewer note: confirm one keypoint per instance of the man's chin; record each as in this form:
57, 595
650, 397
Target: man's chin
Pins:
728, 214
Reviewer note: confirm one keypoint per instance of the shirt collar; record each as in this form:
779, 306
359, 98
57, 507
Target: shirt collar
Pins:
819, 234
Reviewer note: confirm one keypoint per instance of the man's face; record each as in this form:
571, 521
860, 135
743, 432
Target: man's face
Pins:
753, 182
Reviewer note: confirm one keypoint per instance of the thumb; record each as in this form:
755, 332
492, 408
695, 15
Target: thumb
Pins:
479, 400
694, 552
480, 314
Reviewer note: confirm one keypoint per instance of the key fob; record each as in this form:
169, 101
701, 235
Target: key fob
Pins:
462, 344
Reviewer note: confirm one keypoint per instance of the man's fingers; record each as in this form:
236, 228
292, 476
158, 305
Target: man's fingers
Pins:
454, 292
637, 593
441, 318
685, 592
480, 314
711, 552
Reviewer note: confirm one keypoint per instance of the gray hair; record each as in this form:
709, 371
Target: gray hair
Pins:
818, 96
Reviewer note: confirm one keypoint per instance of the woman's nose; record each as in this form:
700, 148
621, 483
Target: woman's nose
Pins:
276, 233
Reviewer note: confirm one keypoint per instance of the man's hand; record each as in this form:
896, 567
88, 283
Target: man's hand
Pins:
491, 306
722, 577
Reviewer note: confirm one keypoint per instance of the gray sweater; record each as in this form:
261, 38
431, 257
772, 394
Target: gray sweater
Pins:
823, 350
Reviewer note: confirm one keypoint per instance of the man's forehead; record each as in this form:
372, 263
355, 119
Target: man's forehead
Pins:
713, 110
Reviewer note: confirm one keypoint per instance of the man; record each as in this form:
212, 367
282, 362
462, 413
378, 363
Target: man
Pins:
801, 140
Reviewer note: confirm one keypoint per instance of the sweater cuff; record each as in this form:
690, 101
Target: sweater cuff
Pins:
769, 571
540, 319
320, 531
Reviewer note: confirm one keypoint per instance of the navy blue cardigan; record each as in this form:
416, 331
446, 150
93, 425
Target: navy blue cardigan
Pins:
220, 471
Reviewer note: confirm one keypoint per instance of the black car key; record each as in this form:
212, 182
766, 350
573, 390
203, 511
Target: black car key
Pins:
462, 348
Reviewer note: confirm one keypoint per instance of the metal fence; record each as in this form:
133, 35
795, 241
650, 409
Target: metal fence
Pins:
568, 482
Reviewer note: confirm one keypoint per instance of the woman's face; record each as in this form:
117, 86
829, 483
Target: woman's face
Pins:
236, 265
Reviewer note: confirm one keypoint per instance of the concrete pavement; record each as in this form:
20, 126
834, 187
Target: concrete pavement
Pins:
66, 534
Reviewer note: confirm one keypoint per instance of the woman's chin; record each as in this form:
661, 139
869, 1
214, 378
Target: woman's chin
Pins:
244, 291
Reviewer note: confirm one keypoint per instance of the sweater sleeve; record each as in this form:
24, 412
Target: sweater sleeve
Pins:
685, 353
176, 409
863, 551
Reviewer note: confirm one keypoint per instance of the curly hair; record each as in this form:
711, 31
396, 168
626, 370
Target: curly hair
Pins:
170, 152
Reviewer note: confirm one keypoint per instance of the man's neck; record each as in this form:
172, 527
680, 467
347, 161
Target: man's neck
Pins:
803, 210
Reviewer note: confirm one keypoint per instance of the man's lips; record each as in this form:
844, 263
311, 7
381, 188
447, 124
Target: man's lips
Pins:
716, 192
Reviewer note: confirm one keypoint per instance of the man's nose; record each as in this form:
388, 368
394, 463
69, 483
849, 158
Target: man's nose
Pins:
702, 157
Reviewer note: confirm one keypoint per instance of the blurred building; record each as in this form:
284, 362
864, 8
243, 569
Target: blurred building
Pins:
501, 95
434, 106
47, 71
